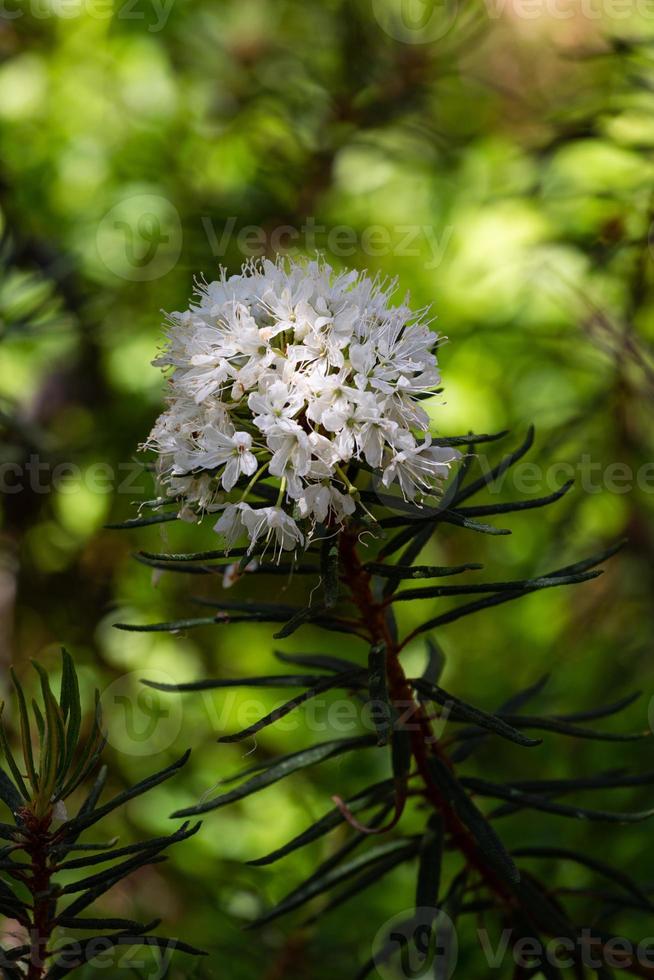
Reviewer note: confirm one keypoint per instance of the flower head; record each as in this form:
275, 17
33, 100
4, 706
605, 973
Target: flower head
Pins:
282, 379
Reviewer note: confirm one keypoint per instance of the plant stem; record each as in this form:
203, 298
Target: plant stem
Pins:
423, 740
37, 842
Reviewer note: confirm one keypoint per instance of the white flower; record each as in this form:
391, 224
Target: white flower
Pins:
418, 468
272, 522
290, 447
233, 452
319, 500
293, 376
273, 404
230, 524
268, 522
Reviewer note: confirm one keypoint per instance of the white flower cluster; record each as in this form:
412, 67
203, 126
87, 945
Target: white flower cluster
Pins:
291, 371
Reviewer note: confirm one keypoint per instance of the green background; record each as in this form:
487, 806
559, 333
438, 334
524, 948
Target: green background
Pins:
499, 163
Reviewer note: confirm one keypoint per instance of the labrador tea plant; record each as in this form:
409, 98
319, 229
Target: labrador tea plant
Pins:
43, 888
295, 417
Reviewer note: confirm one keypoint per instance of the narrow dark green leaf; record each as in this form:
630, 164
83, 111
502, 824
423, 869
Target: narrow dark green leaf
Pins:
179, 624
435, 662
378, 871
79, 823
9, 971
329, 571
74, 955
611, 780
429, 866
94, 793
7, 788
534, 802
321, 685
489, 843
458, 520
94, 925
92, 895
25, 731
541, 910
381, 707
99, 846
54, 720
470, 439
40, 722
248, 606
458, 710
111, 875
574, 731
87, 759
488, 510
475, 736
498, 471
187, 568
154, 845
211, 684
7, 832
468, 608
419, 571
604, 711
351, 844
431, 520
518, 586
321, 661
8, 895
400, 753
301, 617
194, 556
280, 768
399, 849
361, 801
142, 521
411, 554
591, 562
609, 871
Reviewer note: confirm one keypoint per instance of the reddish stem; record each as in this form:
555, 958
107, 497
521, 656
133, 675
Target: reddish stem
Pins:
423, 739
37, 842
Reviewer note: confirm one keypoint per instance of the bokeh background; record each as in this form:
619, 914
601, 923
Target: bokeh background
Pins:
497, 158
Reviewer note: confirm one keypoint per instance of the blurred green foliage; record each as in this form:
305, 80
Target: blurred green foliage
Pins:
501, 166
